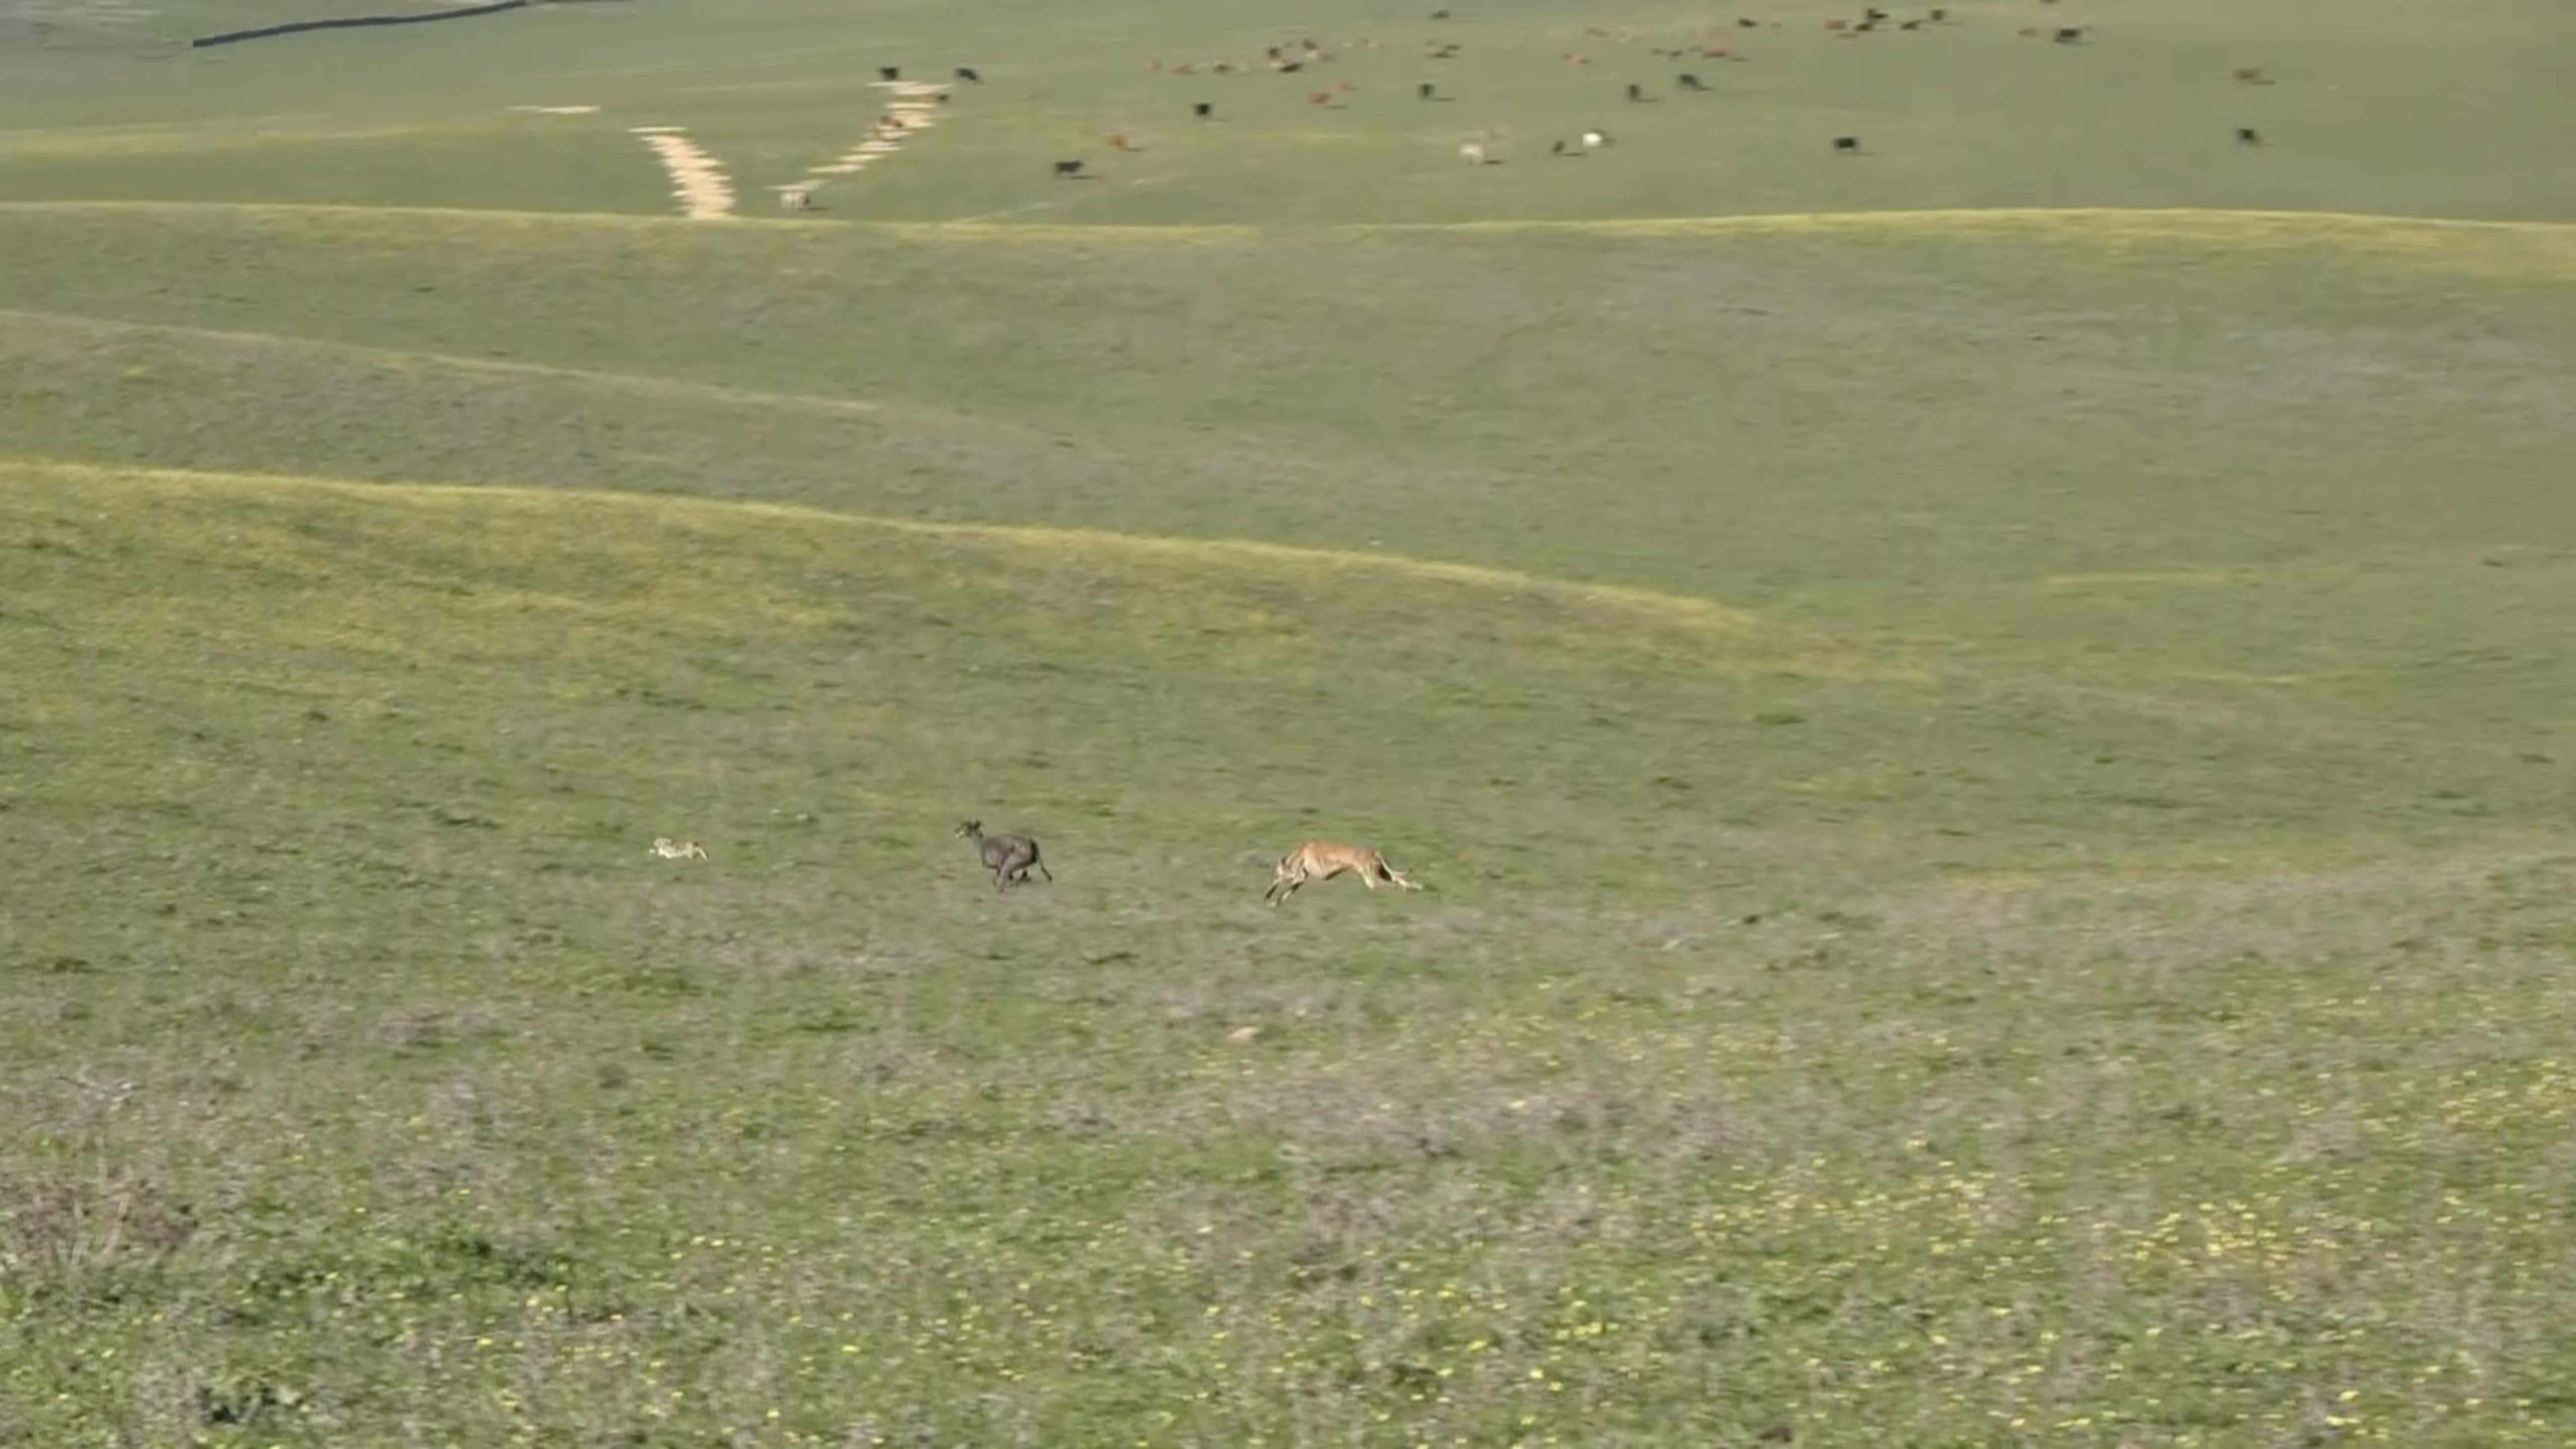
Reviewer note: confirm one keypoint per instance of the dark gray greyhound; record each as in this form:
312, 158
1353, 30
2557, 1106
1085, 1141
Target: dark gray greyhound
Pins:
1008, 857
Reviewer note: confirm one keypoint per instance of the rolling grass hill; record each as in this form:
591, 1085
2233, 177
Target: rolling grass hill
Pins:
2375, 106
1985, 724
1685, 1102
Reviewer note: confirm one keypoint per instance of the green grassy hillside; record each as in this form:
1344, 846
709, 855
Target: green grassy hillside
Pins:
2375, 105
2297, 471
1683, 1102
1984, 724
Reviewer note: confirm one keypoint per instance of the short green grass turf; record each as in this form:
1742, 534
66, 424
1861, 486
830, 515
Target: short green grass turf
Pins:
2375, 105
1991, 780
367, 1070
2299, 472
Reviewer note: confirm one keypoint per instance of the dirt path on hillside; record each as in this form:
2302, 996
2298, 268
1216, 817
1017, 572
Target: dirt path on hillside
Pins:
912, 107
698, 183
705, 193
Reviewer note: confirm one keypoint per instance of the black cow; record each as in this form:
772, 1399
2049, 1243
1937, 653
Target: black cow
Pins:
968, 73
1068, 168
1847, 144
1689, 82
2248, 136
1202, 109
889, 72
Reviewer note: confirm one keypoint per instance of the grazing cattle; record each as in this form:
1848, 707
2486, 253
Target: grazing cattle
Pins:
1636, 92
1346, 86
1556, 148
1847, 144
1068, 168
1325, 859
1319, 98
1118, 141
889, 72
1594, 139
1202, 109
1425, 90
1939, 16
669, 849
1689, 82
2069, 34
1747, 23
1472, 154
1439, 14
1838, 25
1911, 25
2248, 136
796, 198
2252, 75
1009, 857
1873, 14
969, 74
1289, 67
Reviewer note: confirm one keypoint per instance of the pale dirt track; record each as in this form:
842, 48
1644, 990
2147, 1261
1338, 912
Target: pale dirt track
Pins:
698, 183
912, 109
706, 193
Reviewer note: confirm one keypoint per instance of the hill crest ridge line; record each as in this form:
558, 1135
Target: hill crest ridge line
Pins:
1683, 609
2006, 216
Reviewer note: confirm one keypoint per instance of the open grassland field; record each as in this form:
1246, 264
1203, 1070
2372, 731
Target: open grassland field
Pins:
2419, 107
1985, 723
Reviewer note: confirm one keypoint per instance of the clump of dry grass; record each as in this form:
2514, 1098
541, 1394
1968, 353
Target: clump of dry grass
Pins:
67, 1235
